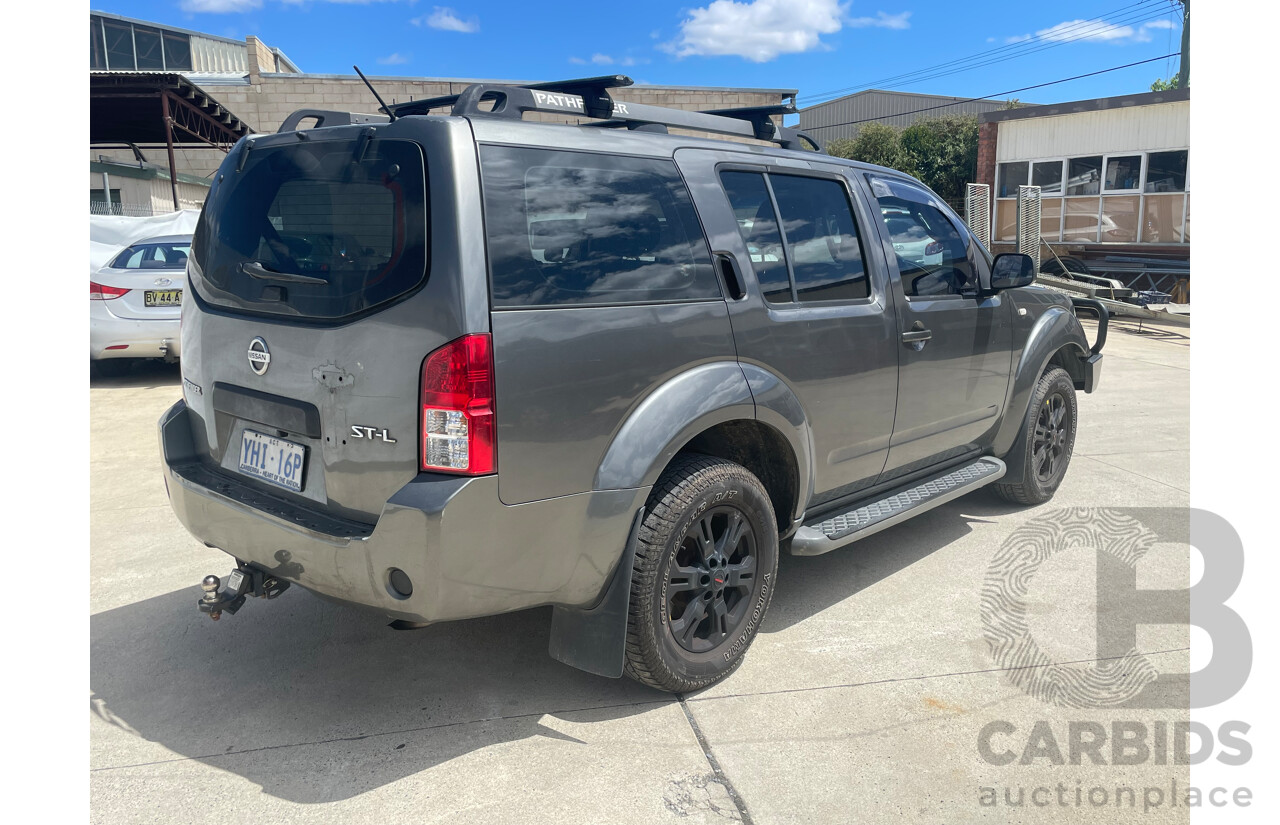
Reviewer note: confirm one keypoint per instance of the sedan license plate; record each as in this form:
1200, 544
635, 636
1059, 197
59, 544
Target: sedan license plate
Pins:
162, 298
273, 460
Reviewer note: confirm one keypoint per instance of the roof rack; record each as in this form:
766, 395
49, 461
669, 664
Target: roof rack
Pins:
589, 96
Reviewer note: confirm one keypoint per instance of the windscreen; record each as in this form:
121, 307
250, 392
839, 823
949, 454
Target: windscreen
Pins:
317, 229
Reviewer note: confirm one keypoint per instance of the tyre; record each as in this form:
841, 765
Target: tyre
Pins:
1049, 436
705, 569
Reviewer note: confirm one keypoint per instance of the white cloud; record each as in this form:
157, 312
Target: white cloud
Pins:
609, 60
446, 19
219, 6
1094, 31
394, 59
758, 31
883, 21
578, 61
1085, 30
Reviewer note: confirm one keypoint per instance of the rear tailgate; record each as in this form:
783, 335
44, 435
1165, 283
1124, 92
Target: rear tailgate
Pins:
311, 309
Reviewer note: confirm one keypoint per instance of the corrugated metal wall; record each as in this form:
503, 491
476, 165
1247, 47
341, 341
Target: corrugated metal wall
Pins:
1135, 128
885, 107
210, 55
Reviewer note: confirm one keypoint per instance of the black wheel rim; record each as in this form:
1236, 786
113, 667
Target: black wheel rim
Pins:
710, 580
1049, 445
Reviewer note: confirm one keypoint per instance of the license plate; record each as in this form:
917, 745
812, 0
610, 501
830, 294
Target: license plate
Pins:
162, 298
273, 460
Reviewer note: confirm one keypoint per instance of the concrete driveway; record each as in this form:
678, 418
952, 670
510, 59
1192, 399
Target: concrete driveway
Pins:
865, 697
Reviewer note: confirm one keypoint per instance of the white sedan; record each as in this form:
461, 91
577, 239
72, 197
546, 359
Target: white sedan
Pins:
135, 301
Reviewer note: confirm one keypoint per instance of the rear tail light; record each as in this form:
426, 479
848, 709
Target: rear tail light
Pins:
98, 292
457, 407
934, 248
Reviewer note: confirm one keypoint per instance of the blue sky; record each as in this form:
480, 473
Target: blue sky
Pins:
816, 46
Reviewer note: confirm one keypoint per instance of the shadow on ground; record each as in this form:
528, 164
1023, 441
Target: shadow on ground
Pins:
133, 373
256, 693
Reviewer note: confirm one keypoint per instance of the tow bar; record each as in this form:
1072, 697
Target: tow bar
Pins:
242, 582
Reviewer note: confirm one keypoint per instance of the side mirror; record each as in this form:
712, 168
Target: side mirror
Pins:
1011, 270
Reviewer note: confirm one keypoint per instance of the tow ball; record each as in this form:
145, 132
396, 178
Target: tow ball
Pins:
242, 582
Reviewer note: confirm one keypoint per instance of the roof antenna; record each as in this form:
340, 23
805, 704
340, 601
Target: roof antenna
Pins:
385, 110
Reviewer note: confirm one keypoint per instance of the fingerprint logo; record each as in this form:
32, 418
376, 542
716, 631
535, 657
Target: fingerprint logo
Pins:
1106, 683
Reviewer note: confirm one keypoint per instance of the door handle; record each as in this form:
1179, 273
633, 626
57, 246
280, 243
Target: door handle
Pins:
917, 336
732, 277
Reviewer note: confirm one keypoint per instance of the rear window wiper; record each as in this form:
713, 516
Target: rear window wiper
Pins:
256, 270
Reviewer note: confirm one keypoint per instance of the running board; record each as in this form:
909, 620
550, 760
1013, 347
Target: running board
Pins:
837, 531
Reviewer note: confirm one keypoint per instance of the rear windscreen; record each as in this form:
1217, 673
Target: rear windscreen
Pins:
321, 229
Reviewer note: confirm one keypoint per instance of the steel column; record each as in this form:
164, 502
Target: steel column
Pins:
168, 140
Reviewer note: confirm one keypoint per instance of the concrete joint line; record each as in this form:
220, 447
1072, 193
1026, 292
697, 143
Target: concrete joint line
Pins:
715, 763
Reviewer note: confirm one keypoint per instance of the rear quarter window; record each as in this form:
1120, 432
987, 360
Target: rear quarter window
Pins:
323, 229
568, 228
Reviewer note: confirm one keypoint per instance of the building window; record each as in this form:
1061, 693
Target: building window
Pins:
118, 45
1048, 176
1124, 173
1084, 175
1012, 175
97, 48
177, 52
1135, 197
1167, 171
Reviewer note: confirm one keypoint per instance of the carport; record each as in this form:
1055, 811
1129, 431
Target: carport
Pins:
158, 108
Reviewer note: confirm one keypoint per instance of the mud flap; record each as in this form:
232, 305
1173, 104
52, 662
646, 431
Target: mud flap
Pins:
595, 639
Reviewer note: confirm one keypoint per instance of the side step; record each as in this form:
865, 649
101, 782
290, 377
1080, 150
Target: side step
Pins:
837, 531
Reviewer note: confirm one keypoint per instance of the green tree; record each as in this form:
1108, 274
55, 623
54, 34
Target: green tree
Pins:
1162, 85
876, 143
942, 152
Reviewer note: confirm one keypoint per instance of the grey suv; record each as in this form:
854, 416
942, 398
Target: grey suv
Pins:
453, 366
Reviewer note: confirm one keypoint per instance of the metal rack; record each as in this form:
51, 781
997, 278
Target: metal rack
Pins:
590, 97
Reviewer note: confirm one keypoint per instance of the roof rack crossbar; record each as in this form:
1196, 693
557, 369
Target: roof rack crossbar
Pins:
593, 91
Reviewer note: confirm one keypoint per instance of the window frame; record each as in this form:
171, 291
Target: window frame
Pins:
764, 170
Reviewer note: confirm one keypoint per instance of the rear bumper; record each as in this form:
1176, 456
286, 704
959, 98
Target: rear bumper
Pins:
466, 553
140, 338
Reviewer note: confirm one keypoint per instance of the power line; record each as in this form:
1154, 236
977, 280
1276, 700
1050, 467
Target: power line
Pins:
1080, 30
1077, 30
975, 56
997, 94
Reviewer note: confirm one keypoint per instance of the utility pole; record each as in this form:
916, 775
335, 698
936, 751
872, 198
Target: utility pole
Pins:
1184, 66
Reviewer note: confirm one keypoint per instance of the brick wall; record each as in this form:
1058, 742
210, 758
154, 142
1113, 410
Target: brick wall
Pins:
987, 133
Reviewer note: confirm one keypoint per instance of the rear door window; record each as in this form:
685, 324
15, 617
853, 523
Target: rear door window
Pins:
322, 229
753, 209
568, 228
815, 245
822, 239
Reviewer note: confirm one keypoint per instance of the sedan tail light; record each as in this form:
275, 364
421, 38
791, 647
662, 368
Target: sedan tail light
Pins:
457, 407
934, 248
98, 292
